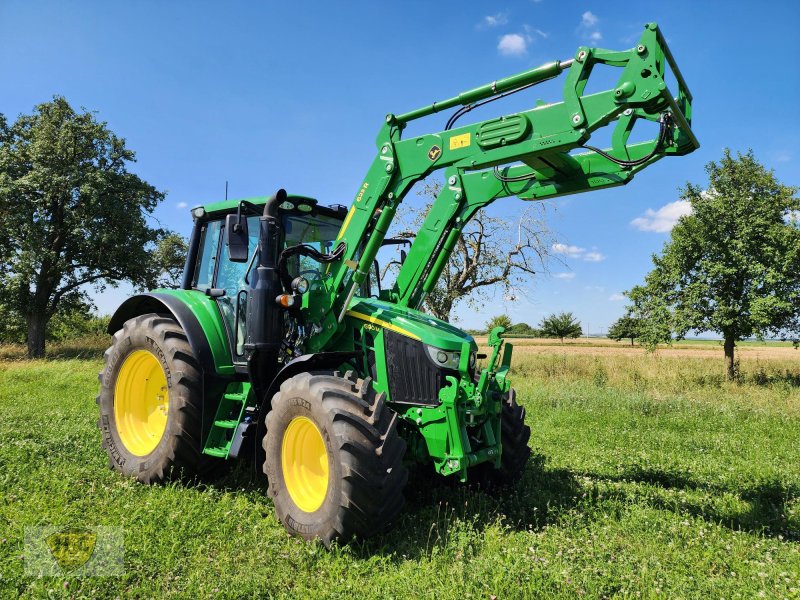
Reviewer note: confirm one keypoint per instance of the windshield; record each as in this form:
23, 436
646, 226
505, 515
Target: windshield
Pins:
318, 232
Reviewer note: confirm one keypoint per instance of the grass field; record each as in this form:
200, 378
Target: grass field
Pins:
651, 477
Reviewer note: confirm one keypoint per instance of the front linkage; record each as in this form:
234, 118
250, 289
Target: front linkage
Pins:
464, 430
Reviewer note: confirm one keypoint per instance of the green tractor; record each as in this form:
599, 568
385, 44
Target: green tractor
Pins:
281, 343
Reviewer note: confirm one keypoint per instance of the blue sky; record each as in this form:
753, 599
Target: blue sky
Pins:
291, 94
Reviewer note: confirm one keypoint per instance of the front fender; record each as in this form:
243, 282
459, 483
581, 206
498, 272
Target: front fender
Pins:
197, 315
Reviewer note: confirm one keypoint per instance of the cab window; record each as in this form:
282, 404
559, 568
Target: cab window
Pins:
207, 257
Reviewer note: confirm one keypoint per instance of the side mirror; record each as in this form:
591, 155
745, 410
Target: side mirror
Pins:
402, 256
236, 238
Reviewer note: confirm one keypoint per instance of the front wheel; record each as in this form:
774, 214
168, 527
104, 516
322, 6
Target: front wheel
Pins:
334, 459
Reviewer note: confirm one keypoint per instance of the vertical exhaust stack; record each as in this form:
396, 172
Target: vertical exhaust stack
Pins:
264, 318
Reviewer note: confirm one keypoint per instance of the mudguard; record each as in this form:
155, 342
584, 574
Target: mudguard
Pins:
194, 314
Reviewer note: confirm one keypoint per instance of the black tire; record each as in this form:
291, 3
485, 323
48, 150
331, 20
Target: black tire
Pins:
179, 451
514, 437
366, 475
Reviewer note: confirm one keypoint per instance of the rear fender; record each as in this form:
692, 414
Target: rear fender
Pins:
198, 317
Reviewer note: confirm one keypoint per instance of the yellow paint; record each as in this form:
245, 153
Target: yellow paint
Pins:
305, 464
382, 323
460, 141
346, 222
141, 402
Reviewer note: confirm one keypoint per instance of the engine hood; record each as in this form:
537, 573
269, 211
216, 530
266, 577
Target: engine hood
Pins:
410, 322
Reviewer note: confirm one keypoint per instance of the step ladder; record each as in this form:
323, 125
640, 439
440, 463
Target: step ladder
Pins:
231, 408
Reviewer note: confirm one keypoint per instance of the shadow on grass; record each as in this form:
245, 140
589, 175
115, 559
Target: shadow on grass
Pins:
768, 502
437, 507
439, 510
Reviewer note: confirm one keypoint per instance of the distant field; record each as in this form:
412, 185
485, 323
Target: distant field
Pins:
651, 476
689, 348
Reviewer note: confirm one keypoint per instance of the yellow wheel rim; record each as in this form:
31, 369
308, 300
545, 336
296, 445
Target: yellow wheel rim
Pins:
305, 464
141, 402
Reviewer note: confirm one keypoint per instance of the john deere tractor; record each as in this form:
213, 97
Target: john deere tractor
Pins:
282, 344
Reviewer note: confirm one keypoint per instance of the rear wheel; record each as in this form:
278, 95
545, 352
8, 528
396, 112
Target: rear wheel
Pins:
334, 458
150, 402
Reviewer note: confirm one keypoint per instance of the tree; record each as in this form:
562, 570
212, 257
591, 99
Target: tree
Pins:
625, 327
498, 321
71, 215
561, 325
492, 253
522, 329
732, 266
170, 256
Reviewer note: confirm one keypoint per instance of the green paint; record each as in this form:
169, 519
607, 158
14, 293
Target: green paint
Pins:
230, 412
534, 155
207, 314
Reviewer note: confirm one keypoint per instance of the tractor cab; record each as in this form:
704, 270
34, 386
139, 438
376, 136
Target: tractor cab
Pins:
214, 269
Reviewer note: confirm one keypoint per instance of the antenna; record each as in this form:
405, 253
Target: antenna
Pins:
226, 189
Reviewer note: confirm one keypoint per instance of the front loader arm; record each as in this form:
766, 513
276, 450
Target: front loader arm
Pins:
482, 162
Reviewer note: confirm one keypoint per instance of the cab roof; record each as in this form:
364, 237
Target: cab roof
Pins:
229, 205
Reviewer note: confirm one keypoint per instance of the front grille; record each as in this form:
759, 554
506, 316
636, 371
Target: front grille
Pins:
413, 378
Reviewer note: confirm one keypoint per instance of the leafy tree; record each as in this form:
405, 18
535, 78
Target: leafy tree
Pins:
170, 255
498, 321
76, 323
71, 215
732, 266
625, 327
521, 329
561, 325
491, 254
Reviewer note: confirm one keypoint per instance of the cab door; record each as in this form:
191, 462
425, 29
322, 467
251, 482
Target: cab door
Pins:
233, 278
227, 282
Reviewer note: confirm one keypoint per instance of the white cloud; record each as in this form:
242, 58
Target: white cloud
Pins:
494, 20
593, 256
531, 31
594, 288
564, 275
571, 251
578, 252
588, 27
183, 205
616, 297
512, 44
663, 219
783, 156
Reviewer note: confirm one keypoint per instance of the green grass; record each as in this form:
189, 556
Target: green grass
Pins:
651, 477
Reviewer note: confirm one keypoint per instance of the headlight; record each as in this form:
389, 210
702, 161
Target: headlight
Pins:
443, 358
300, 285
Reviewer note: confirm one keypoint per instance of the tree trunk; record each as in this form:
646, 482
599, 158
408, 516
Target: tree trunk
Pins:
37, 323
631, 342
730, 366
